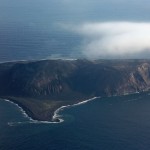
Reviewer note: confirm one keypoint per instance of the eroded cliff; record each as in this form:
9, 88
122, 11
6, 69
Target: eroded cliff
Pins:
42, 86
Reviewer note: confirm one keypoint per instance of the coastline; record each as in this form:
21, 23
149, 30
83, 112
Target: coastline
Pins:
23, 60
56, 118
31, 120
56, 112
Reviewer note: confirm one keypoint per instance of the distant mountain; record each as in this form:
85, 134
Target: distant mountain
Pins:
40, 87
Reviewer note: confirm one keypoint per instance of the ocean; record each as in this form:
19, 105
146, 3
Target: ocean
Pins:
112, 123
39, 29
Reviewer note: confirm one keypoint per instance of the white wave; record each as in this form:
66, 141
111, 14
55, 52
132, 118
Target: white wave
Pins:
20, 108
10, 123
35, 60
55, 117
134, 99
25, 115
56, 113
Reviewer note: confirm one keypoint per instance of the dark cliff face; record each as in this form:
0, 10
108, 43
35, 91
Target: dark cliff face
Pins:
71, 80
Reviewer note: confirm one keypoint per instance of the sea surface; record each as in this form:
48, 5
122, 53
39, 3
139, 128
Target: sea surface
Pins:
39, 29
114, 123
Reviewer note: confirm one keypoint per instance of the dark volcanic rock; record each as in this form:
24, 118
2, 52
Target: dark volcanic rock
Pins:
69, 82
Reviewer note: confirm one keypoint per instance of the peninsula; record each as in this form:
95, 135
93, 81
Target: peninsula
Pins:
41, 87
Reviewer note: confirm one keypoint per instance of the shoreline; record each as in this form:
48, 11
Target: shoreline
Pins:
31, 120
23, 60
57, 118
56, 115
56, 112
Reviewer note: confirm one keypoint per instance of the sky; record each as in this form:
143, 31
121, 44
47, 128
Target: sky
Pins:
108, 28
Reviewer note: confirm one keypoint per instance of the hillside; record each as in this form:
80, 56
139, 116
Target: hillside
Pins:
40, 87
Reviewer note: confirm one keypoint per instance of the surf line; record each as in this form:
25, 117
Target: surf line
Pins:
59, 117
31, 120
56, 115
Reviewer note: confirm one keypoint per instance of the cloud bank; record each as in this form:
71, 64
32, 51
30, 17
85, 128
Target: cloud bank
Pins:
114, 39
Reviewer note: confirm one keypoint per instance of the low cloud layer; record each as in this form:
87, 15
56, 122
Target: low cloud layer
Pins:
114, 39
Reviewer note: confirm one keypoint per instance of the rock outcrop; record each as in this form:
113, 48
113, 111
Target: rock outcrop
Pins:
63, 81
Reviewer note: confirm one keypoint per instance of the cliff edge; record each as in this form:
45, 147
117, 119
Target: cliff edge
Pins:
40, 87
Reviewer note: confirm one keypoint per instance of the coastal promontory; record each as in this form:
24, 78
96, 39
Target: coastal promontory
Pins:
41, 87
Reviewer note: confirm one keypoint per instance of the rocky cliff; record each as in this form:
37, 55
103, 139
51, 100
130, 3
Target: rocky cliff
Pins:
60, 81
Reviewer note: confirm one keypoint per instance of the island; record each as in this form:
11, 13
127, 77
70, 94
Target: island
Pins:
41, 87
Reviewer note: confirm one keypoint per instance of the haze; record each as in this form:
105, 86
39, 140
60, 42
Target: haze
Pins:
44, 28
